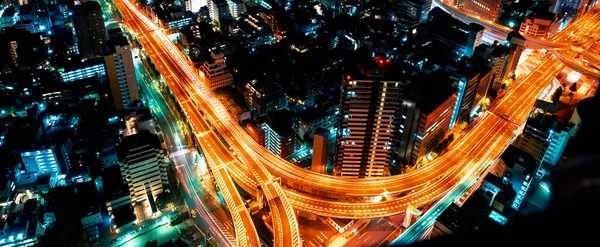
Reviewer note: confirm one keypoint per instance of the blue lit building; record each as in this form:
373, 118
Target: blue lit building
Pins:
46, 160
89, 69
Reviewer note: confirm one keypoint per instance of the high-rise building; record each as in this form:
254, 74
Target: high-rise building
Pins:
545, 138
194, 5
215, 71
142, 162
460, 37
368, 120
497, 62
218, 10
90, 29
516, 45
236, 7
263, 97
120, 71
424, 118
278, 131
412, 12
485, 9
14, 55
320, 152
472, 84
520, 170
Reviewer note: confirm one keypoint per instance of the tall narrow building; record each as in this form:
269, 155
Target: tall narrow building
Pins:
368, 110
120, 71
90, 29
141, 159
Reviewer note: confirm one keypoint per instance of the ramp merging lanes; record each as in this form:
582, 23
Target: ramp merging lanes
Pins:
149, 36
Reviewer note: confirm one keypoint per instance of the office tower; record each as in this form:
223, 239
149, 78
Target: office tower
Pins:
194, 5
320, 152
472, 84
425, 117
520, 170
497, 62
236, 7
545, 138
368, 110
121, 73
215, 71
218, 10
486, 9
14, 55
516, 45
89, 26
142, 162
412, 12
474, 38
460, 37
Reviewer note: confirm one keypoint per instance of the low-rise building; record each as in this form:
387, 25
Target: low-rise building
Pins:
215, 71
255, 30
310, 120
263, 97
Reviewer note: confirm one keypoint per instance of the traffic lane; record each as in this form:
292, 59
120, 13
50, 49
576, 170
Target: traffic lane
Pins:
155, 58
373, 234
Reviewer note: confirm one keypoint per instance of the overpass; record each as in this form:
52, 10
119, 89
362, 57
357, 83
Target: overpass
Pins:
496, 32
151, 39
255, 167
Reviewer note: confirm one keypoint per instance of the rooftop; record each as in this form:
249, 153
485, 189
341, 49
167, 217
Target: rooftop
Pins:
514, 155
429, 91
135, 141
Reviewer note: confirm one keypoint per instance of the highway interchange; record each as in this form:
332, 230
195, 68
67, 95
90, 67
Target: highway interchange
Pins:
251, 166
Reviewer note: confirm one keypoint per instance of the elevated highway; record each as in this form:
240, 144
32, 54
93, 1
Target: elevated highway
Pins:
362, 198
150, 37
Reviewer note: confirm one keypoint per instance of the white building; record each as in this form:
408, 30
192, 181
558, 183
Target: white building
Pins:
557, 141
218, 10
120, 71
236, 7
143, 166
215, 71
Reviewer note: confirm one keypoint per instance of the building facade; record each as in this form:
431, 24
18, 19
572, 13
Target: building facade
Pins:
368, 110
485, 9
424, 121
121, 74
215, 71
141, 159
320, 152
90, 29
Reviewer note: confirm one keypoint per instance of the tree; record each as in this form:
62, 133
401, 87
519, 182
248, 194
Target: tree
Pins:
168, 200
556, 95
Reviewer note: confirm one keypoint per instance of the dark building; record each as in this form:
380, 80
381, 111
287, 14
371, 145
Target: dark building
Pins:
520, 171
461, 37
425, 116
90, 29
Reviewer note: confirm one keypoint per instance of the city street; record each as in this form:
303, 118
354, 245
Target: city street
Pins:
184, 161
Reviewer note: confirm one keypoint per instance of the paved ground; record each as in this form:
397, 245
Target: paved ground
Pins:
314, 232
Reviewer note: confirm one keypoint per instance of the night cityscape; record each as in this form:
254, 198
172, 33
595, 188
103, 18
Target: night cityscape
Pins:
299, 123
